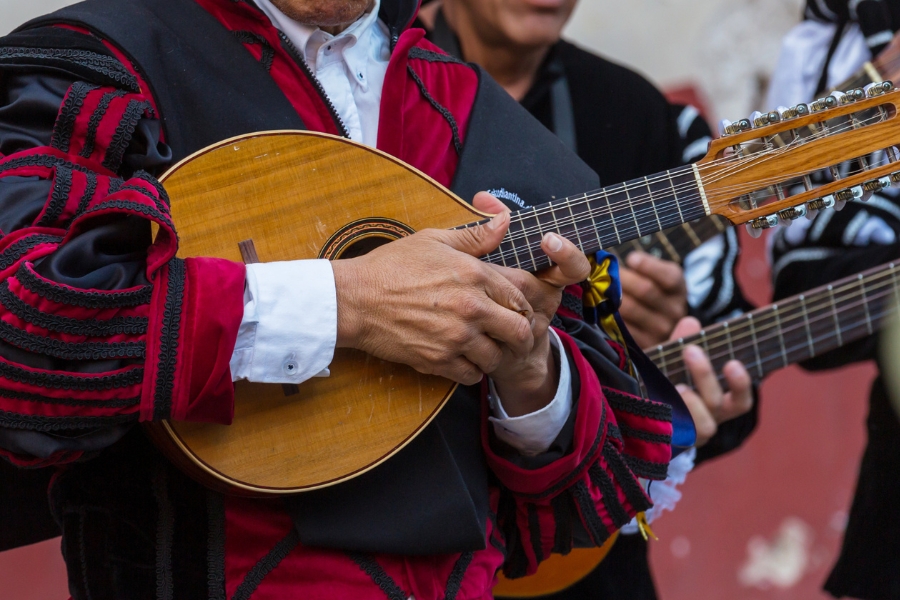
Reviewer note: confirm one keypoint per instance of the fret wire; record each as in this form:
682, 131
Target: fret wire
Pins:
677, 204
693, 235
865, 300
780, 334
612, 217
653, 204
637, 225
575, 223
729, 340
812, 348
753, 336
837, 325
688, 377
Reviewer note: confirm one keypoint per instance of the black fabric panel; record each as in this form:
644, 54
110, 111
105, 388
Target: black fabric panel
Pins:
28, 108
177, 52
431, 498
623, 129
869, 562
505, 147
24, 510
21, 201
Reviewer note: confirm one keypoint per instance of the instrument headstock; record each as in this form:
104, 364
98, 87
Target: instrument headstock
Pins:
759, 171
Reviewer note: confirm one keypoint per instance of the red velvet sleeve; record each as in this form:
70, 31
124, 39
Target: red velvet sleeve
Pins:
88, 340
594, 487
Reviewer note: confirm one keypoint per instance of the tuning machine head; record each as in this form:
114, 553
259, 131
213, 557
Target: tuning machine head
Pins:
877, 89
823, 104
757, 225
726, 127
788, 215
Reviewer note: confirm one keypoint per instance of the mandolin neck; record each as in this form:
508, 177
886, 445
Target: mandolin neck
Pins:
676, 243
794, 329
603, 218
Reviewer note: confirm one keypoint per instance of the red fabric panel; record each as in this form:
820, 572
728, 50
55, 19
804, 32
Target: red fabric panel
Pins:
409, 127
288, 75
211, 314
254, 527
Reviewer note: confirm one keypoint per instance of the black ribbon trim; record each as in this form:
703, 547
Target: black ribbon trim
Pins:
448, 116
88, 327
71, 108
45, 424
84, 383
83, 298
637, 406
106, 66
96, 119
268, 562
59, 197
15, 251
626, 478
378, 576
69, 351
168, 341
122, 137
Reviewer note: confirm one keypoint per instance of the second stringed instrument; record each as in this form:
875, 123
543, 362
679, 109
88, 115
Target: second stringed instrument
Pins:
278, 189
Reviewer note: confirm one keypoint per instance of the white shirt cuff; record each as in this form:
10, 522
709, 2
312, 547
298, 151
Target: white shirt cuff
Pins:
533, 433
289, 329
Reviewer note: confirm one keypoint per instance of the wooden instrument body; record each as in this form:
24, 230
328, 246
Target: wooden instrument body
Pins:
336, 427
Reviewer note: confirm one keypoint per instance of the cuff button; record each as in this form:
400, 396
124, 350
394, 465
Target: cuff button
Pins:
290, 367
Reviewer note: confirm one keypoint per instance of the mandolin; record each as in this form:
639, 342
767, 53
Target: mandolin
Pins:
278, 190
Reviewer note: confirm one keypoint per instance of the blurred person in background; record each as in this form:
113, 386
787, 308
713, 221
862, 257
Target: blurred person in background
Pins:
835, 38
623, 128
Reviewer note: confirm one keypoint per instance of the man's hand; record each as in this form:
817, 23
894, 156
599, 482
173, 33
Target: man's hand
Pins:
709, 404
654, 297
428, 302
527, 383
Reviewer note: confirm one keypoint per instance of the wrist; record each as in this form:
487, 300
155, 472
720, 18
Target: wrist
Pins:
349, 316
533, 386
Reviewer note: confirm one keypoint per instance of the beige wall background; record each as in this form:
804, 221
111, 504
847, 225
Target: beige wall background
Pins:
726, 47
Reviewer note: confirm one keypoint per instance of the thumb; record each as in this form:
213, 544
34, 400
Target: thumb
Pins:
480, 239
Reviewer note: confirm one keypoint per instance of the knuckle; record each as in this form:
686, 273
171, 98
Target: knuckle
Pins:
470, 308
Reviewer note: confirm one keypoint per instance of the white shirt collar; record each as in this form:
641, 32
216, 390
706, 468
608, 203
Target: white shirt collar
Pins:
310, 39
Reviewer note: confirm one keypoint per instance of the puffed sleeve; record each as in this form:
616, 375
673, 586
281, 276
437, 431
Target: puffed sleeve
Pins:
101, 325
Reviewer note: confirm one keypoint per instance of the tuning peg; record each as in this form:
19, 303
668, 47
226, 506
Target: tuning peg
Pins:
788, 215
876, 185
762, 119
823, 104
877, 89
756, 226
895, 177
820, 203
849, 97
726, 127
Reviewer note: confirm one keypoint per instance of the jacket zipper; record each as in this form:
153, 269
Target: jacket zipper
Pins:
301, 62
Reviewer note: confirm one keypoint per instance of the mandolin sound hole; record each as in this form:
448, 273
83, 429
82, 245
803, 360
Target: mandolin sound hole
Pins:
363, 236
365, 245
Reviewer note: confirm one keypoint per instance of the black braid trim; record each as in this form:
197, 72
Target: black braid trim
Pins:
448, 116
89, 191
601, 479
107, 66
67, 325
38, 423
633, 490
131, 206
163, 207
557, 322
432, 56
378, 576
96, 118
168, 341
576, 473
15, 251
562, 515
114, 185
534, 531
65, 122
117, 403
83, 298
215, 546
592, 521
59, 197
614, 432
646, 469
646, 436
40, 160
268, 53
122, 137
573, 303
72, 382
160, 190
454, 582
636, 406
266, 564
69, 351
165, 535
